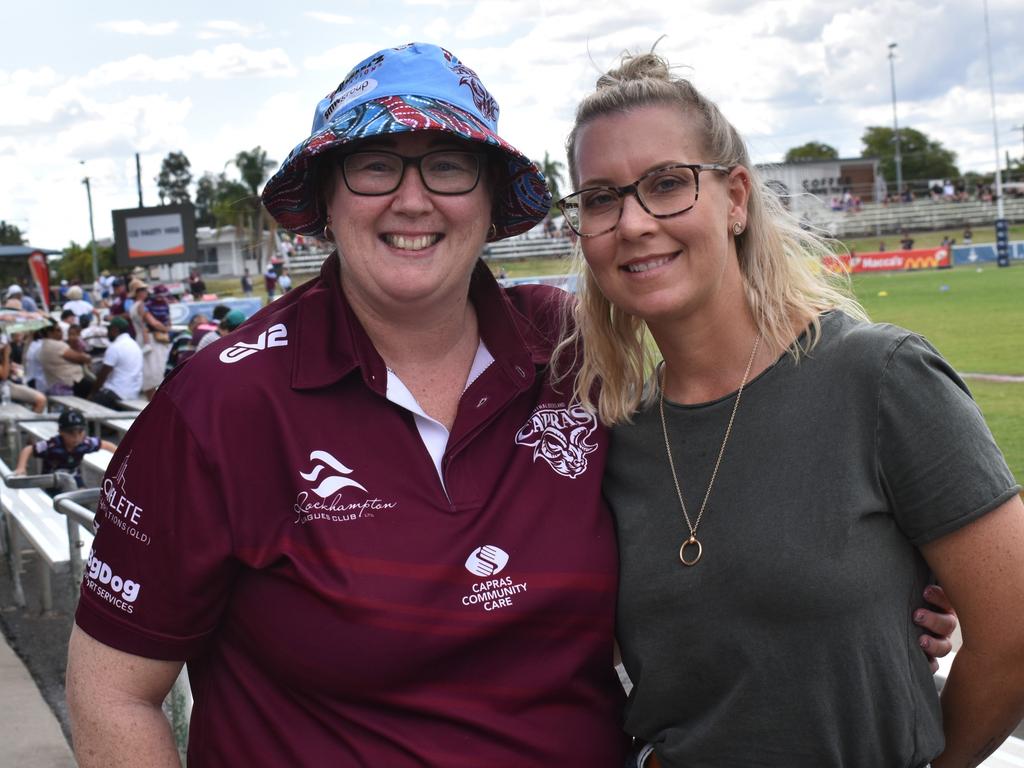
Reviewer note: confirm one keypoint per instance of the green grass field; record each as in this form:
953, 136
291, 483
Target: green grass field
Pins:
975, 317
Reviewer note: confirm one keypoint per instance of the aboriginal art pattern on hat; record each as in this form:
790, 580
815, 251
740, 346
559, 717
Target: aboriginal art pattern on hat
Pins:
481, 96
523, 200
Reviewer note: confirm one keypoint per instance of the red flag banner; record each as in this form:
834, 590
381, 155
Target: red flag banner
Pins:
41, 274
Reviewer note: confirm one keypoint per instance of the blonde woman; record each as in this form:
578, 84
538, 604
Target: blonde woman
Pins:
789, 478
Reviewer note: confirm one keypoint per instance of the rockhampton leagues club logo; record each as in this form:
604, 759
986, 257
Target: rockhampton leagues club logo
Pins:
330, 499
492, 593
560, 434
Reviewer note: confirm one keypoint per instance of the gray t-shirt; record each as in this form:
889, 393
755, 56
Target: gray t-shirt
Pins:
791, 642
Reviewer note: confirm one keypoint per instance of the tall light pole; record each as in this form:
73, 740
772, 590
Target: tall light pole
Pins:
92, 230
895, 122
1001, 214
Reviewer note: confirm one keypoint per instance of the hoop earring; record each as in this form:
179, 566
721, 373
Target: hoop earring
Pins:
492, 231
328, 235
737, 229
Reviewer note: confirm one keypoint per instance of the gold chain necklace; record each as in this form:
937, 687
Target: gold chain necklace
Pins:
693, 541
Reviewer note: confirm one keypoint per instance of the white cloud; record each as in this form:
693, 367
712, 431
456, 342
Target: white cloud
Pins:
402, 32
438, 29
446, 4
494, 17
222, 62
211, 30
329, 18
341, 58
138, 27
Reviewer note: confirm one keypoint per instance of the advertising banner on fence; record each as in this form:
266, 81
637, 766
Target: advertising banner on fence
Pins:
986, 252
888, 261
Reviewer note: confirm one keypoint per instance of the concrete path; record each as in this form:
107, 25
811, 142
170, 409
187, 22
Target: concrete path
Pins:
30, 736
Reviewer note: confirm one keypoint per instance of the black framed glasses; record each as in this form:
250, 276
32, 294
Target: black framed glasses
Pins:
663, 193
443, 171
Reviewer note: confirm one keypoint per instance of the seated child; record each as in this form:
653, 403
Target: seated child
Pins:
64, 452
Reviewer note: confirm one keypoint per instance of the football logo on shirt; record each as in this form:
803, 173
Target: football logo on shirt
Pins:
559, 435
330, 500
274, 336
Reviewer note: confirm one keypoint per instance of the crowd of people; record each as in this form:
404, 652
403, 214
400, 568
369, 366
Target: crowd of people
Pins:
113, 340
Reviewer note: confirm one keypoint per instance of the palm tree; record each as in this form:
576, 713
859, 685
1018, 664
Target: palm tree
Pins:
553, 172
253, 166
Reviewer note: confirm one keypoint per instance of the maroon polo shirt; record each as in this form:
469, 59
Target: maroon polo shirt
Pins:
278, 523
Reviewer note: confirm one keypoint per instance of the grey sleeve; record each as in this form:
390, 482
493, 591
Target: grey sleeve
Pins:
938, 462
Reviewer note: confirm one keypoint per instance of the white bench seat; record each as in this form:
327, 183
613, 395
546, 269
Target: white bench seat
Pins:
32, 520
94, 466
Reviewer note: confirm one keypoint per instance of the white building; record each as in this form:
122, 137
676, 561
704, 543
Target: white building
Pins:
815, 189
223, 252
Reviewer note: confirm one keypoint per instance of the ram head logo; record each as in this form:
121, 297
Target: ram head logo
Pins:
560, 437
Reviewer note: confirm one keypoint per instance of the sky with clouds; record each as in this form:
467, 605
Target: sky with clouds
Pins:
84, 86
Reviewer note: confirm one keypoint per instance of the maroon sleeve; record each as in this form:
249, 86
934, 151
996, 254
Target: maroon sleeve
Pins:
160, 569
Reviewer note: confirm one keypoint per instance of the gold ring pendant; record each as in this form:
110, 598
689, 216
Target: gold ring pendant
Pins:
690, 542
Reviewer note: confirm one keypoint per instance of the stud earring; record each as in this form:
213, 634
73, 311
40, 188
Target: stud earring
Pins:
737, 229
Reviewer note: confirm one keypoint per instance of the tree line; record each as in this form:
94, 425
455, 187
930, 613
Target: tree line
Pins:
922, 158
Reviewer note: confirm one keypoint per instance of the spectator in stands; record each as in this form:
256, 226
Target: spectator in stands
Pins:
63, 367
75, 338
284, 282
184, 344
270, 280
906, 241
119, 298
64, 451
106, 284
196, 285
728, 287
75, 303
34, 375
120, 374
230, 322
968, 235
150, 316
246, 283
67, 319
94, 335
28, 304
19, 393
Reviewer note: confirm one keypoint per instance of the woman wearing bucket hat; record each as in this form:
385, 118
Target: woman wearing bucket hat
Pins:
366, 519
786, 479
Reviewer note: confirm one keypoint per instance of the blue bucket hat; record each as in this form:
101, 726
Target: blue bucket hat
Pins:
417, 87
